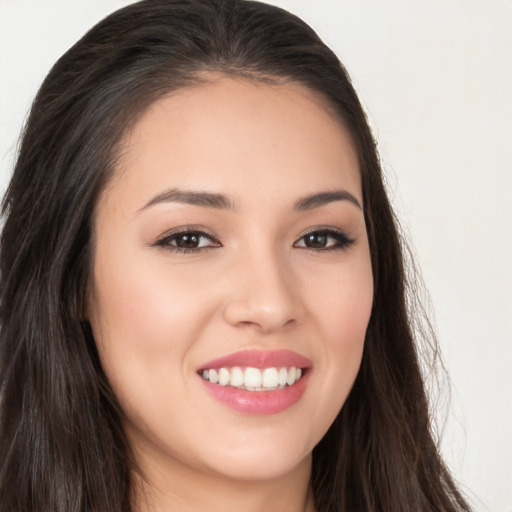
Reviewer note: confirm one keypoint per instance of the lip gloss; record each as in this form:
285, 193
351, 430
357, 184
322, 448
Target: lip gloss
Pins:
260, 401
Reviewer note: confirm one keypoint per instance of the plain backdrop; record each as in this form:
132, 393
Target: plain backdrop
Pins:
436, 79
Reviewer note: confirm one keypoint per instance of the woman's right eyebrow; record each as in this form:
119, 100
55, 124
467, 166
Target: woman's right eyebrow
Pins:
197, 198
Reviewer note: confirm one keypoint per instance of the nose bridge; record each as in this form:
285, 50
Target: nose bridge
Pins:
263, 292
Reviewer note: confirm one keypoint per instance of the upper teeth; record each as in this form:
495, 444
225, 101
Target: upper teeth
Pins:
253, 379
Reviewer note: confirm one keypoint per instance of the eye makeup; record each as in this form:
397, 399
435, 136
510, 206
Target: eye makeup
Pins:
192, 239
324, 239
188, 239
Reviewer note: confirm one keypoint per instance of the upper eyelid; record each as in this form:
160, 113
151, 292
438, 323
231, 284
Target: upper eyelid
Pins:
324, 229
314, 229
201, 230
346, 239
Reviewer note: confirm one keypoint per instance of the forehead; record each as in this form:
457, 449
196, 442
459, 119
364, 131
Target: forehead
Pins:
230, 132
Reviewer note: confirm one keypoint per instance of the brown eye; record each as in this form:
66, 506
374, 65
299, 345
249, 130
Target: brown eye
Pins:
316, 240
324, 239
188, 241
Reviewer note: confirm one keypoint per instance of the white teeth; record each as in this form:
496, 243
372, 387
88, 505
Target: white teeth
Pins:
253, 379
283, 376
270, 378
291, 376
224, 377
237, 377
213, 376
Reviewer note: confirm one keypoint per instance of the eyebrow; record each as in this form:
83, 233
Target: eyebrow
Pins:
222, 202
323, 198
205, 199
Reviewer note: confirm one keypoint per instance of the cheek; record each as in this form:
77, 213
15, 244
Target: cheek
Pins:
355, 301
141, 305
144, 319
342, 312
141, 325
148, 319
344, 303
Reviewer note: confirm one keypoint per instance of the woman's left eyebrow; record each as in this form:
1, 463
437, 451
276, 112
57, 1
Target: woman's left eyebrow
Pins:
323, 198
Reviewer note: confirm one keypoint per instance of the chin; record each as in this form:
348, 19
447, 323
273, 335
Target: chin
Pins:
262, 466
251, 455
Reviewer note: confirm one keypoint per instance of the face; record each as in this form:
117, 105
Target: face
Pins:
232, 284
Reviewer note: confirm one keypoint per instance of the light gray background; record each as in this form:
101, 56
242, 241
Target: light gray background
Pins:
436, 79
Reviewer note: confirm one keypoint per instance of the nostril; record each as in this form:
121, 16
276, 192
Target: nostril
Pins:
265, 325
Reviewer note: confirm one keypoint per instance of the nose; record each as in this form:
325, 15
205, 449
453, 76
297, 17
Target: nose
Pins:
263, 295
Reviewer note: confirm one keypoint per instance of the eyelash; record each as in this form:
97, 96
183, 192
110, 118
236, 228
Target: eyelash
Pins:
165, 242
341, 240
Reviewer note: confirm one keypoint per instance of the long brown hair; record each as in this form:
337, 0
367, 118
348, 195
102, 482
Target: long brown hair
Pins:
62, 445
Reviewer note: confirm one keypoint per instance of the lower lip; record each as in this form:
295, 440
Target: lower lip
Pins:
258, 402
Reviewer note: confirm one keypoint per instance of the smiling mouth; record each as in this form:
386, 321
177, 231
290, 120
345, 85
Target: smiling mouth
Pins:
254, 379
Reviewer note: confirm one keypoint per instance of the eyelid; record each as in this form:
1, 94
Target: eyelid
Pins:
162, 240
343, 239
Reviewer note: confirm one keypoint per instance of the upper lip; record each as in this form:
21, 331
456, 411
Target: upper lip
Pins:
259, 359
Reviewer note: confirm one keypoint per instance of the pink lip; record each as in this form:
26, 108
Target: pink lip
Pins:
259, 402
260, 359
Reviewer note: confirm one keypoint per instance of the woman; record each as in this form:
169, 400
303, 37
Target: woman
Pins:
203, 292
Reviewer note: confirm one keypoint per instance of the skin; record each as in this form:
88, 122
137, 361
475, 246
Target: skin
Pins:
159, 314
